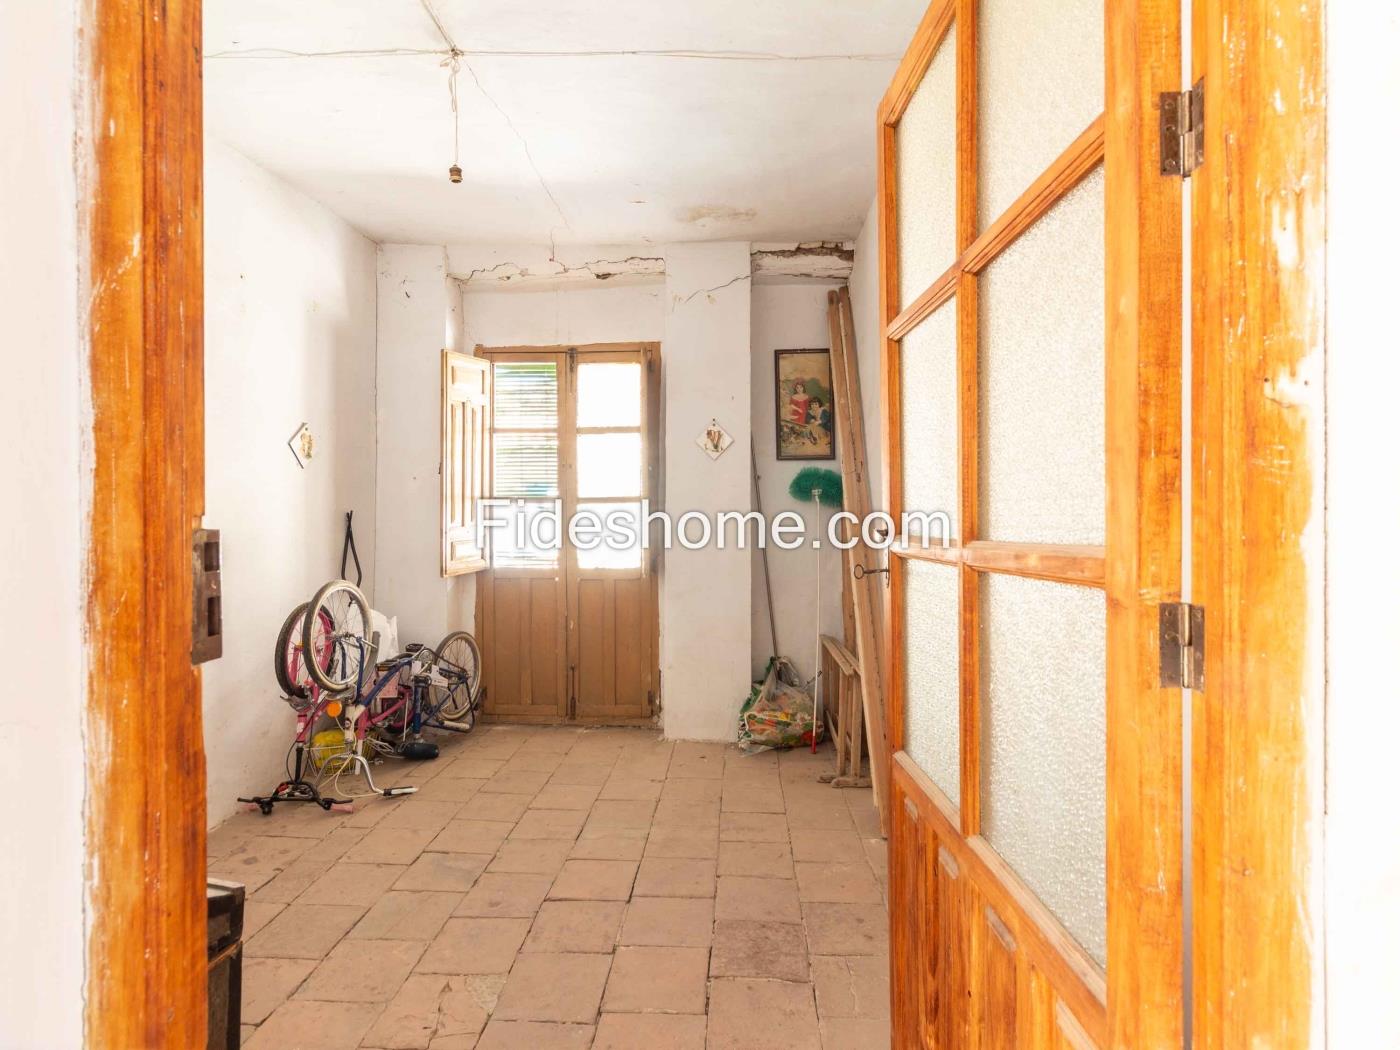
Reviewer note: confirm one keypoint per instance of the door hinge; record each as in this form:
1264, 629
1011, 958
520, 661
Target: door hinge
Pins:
651, 700
1181, 643
1182, 127
207, 642
573, 358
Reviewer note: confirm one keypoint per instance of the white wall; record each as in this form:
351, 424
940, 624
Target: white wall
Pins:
47, 486
790, 317
705, 632
1362, 831
419, 316
289, 338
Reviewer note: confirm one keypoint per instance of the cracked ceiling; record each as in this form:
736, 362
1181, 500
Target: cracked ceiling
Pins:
582, 122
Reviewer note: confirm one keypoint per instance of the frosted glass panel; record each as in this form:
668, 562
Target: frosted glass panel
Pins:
1039, 84
928, 378
931, 671
1043, 744
926, 176
1041, 411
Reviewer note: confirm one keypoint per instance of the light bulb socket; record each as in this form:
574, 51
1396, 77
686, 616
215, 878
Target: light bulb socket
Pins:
454, 174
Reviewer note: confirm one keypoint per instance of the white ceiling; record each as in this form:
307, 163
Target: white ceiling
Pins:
757, 124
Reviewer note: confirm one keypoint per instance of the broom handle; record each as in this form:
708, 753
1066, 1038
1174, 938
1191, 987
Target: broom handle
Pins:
817, 682
763, 551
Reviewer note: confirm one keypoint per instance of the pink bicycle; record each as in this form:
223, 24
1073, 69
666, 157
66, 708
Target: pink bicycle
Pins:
372, 707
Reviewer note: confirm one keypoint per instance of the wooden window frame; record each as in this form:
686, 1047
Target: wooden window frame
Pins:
1137, 1001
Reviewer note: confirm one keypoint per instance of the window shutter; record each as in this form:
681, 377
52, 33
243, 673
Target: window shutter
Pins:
466, 403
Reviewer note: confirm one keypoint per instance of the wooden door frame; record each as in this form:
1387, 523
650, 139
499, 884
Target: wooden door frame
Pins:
141, 159
1258, 344
651, 391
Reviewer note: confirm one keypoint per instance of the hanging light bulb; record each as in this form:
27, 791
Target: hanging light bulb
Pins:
454, 173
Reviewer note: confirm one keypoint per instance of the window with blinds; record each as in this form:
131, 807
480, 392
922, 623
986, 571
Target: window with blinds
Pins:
525, 467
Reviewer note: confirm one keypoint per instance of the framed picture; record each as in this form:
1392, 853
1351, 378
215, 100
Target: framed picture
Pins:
805, 407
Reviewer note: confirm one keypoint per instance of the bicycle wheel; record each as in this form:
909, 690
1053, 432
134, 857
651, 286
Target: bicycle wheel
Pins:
289, 660
457, 663
346, 608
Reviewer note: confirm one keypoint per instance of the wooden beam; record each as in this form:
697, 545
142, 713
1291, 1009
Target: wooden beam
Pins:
850, 429
141, 183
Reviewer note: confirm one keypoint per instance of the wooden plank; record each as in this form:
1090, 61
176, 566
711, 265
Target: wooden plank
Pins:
141, 158
856, 499
842, 656
1259, 212
1142, 563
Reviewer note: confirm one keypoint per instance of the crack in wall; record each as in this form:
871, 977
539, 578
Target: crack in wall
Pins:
815, 249
590, 267
716, 288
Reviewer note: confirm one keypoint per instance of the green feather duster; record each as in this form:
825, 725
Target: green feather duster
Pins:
825, 484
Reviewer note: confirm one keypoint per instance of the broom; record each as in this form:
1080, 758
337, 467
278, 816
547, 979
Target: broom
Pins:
822, 487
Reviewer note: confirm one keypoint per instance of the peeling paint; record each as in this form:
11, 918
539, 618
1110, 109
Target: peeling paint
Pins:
599, 269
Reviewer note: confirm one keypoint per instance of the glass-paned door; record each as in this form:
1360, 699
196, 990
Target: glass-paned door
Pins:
570, 614
1011, 715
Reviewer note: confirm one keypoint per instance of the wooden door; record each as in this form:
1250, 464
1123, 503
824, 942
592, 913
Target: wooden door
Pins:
571, 633
521, 597
612, 606
1031, 299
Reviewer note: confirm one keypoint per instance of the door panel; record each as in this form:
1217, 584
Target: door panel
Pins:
521, 597
1022, 409
520, 622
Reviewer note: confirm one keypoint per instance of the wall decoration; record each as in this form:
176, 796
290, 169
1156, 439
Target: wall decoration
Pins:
805, 410
714, 439
302, 444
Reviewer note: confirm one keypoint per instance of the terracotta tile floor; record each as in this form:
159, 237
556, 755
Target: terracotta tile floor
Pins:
569, 888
